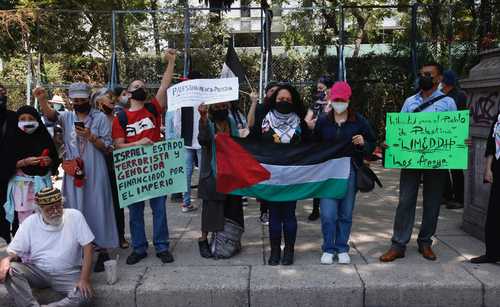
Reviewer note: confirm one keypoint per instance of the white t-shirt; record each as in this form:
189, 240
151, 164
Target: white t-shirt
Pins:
52, 248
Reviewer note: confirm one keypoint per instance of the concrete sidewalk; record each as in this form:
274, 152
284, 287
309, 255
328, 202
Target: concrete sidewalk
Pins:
246, 280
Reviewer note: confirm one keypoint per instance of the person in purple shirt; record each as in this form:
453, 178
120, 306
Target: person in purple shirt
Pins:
428, 99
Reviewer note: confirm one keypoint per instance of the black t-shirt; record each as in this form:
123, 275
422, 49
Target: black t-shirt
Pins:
460, 99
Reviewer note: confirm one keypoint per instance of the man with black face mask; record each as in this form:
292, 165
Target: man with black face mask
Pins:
428, 99
86, 185
140, 125
8, 127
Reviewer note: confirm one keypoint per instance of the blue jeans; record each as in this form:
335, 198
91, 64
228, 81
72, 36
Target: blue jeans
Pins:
336, 219
160, 227
190, 154
282, 219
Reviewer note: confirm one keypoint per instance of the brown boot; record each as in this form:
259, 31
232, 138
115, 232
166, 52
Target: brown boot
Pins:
391, 255
427, 253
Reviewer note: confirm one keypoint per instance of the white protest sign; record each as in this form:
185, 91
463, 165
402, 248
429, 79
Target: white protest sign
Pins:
197, 91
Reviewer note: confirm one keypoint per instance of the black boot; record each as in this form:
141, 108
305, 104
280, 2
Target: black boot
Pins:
204, 249
315, 213
275, 257
289, 250
288, 255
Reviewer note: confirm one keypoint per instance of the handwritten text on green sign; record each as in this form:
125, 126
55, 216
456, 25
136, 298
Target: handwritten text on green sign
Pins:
427, 140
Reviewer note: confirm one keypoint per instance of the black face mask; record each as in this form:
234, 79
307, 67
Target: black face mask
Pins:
82, 108
106, 110
220, 115
139, 94
284, 107
426, 82
319, 96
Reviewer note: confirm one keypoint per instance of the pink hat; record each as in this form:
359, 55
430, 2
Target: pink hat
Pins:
340, 91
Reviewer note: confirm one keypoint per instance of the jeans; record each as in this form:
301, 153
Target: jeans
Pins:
22, 277
336, 219
190, 154
282, 219
160, 227
434, 185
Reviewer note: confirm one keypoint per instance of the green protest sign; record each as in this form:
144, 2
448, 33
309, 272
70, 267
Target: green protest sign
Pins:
145, 172
427, 140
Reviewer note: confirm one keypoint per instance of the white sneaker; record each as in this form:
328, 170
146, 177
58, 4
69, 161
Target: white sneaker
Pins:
344, 258
327, 258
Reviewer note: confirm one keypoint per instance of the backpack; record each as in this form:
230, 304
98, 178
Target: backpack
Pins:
122, 115
226, 243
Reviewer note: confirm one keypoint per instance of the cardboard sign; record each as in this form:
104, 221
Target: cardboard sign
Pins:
427, 140
145, 172
192, 93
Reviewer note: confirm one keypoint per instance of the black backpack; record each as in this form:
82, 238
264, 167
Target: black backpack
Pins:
122, 115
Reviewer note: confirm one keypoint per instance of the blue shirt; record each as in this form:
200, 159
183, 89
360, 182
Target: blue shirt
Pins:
443, 105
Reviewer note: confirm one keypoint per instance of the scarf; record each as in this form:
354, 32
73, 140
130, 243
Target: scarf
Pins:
284, 125
496, 135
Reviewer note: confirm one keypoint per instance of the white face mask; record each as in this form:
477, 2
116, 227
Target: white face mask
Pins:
340, 107
28, 126
123, 100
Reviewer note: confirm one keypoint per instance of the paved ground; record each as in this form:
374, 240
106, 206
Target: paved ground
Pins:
246, 280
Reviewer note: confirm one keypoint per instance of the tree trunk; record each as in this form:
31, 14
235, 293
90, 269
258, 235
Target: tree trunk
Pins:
156, 35
361, 21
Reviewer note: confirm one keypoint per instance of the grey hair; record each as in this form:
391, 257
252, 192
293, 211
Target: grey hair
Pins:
99, 94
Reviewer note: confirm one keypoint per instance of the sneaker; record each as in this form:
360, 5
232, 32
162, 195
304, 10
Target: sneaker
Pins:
244, 201
344, 258
165, 256
327, 258
188, 208
135, 258
264, 218
99, 264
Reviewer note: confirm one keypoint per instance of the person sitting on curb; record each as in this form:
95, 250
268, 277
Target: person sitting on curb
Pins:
50, 243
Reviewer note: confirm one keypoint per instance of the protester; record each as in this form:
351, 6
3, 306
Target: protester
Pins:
186, 126
8, 130
454, 194
319, 106
53, 239
258, 111
428, 99
342, 125
492, 175
282, 123
36, 159
86, 186
102, 100
120, 98
217, 209
141, 125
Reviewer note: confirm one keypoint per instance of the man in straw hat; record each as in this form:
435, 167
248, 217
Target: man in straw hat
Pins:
50, 244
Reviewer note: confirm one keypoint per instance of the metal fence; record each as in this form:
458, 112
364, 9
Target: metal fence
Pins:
299, 44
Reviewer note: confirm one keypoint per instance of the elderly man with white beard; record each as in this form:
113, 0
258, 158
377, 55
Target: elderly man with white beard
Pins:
50, 244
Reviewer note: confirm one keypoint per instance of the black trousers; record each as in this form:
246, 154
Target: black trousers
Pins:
455, 186
492, 228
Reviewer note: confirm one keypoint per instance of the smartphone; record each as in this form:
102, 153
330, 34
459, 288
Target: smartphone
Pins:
80, 125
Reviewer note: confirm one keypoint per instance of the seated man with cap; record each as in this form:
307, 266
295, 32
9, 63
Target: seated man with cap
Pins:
50, 243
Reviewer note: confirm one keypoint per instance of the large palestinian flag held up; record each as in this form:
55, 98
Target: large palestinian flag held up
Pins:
281, 172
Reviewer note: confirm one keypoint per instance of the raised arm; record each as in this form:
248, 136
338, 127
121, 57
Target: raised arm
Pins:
47, 111
166, 80
253, 107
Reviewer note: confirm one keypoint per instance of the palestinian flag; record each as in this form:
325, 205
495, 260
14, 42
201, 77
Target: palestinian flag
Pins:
281, 172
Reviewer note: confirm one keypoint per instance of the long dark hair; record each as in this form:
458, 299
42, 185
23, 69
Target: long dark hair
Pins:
298, 106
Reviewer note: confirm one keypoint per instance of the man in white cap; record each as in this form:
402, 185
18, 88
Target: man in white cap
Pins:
51, 244
86, 186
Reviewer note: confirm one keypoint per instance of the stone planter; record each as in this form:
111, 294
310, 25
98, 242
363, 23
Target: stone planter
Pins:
483, 90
